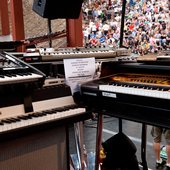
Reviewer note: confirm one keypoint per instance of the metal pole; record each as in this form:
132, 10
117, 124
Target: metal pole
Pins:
49, 31
143, 146
122, 22
77, 140
98, 139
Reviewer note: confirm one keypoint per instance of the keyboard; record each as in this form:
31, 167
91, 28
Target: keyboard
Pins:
51, 105
14, 71
19, 78
155, 86
41, 117
135, 92
64, 53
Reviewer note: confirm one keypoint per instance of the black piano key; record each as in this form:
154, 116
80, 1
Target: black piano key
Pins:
60, 109
2, 76
76, 106
23, 117
15, 119
11, 120
50, 111
26, 73
38, 114
69, 107
29, 116
1, 123
8, 75
35, 115
29, 73
13, 75
43, 113
6, 121
73, 106
20, 74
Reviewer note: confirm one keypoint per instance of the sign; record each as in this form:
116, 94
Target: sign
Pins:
78, 70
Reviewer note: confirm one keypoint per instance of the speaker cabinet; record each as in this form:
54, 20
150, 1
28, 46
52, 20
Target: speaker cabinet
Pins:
54, 9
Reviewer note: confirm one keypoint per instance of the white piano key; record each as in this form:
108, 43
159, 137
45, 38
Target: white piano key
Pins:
136, 91
19, 78
40, 119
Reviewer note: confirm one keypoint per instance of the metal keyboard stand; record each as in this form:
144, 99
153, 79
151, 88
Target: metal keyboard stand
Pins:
143, 146
99, 141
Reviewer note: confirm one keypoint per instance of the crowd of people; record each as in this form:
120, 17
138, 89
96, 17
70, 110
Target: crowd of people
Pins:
146, 24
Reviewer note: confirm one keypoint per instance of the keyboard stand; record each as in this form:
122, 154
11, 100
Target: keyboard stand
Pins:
143, 146
99, 141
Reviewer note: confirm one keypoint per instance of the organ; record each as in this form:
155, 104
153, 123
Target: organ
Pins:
49, 104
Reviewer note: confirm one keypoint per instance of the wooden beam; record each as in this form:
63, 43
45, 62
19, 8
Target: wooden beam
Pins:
74, 32
4, 17
17, 20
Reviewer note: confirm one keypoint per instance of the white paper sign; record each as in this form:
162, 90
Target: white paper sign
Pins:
78, 70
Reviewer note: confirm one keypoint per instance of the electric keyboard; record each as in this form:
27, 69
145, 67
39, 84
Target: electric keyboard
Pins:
13, 71
155, 86
64, 53
99, 53
133, 91
50, 105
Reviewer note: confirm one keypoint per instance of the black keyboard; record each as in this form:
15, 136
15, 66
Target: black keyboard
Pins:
14, 71
136, 92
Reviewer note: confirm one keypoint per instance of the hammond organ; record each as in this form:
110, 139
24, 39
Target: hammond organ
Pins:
50, 104
38, 139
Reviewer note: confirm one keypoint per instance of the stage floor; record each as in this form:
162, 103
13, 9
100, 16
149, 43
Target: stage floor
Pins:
110, 127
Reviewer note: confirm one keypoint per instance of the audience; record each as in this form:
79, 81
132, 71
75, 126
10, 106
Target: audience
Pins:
146, 25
